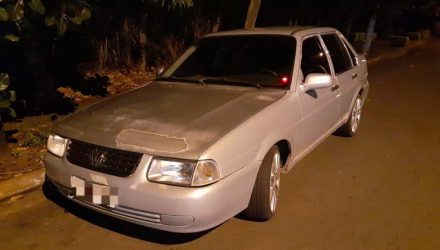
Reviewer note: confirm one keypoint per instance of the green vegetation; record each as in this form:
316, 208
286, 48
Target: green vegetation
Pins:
34, 137
58, 15
6, 97
47, 44
415, 36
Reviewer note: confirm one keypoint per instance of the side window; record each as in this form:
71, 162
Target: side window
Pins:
350, 51
338, 53
313, 59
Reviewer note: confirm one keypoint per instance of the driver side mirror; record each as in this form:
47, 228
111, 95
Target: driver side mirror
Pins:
317, 81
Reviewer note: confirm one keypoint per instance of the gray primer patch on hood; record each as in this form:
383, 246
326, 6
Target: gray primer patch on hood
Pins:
134, 140
178, 120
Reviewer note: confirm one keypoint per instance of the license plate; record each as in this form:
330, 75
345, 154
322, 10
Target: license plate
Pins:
94, 193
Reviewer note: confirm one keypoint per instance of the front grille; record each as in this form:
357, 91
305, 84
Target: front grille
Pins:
102, 159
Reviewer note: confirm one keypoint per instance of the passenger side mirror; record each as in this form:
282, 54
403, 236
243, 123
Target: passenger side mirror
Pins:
317, 81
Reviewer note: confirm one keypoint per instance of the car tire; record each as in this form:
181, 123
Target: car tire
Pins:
351, 126
264, 199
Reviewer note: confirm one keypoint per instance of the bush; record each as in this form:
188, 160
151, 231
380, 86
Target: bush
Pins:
361, 36
33, 137
399, 41
425, 34
436, 28
415, 36
6, 97
2, 134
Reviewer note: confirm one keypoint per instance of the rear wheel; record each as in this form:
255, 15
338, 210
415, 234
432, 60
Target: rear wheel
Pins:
264, 199
350, 128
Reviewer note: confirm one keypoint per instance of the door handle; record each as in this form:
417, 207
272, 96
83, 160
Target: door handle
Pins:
355, 75
335, 87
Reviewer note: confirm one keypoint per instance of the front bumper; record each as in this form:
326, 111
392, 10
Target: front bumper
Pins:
160, 206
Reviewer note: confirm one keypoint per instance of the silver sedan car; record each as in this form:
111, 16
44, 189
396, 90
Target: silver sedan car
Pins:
210, 137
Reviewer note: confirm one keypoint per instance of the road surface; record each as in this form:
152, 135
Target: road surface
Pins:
378, 190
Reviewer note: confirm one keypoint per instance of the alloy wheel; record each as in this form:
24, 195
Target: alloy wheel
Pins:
275, 179
356, 114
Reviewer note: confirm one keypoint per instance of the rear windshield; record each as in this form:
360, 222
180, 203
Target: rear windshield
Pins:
264, 60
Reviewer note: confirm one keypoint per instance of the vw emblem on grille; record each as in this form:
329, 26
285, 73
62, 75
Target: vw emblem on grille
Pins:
97, 158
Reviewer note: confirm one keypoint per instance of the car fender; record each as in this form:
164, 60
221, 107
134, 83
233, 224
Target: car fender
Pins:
251, 140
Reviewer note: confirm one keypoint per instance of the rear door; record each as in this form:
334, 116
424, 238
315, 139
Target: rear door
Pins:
318, 107
345, 71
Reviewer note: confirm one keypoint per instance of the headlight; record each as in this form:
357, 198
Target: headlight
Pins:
183, 173
56, 145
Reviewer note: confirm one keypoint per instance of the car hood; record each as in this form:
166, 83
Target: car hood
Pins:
178, 120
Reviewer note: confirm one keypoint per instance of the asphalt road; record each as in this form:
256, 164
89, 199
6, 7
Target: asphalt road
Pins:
378, 190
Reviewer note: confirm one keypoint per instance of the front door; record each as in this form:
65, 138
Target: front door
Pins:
318, 107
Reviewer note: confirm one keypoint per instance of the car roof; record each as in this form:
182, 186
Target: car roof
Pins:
275, 30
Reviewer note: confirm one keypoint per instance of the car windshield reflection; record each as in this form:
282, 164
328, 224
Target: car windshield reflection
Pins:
257, 61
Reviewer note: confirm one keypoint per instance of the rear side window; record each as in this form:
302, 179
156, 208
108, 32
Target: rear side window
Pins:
314, 59
338, 53
350, 51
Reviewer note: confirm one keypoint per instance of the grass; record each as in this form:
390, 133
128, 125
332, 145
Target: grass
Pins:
34, 137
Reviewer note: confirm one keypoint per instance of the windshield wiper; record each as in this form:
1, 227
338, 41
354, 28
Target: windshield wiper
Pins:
178, 79
230, 81
204, 80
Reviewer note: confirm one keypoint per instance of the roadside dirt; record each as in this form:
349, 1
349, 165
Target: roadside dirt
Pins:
27, 152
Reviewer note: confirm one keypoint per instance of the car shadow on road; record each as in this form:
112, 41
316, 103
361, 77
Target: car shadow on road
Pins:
115, 225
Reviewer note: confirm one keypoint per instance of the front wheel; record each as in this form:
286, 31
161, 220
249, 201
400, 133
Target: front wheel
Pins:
264, 199
350, 128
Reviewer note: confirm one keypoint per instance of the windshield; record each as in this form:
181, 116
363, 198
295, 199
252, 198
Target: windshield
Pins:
263, 61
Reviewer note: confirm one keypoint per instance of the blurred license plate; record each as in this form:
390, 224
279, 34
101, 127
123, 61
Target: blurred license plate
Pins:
94, 193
